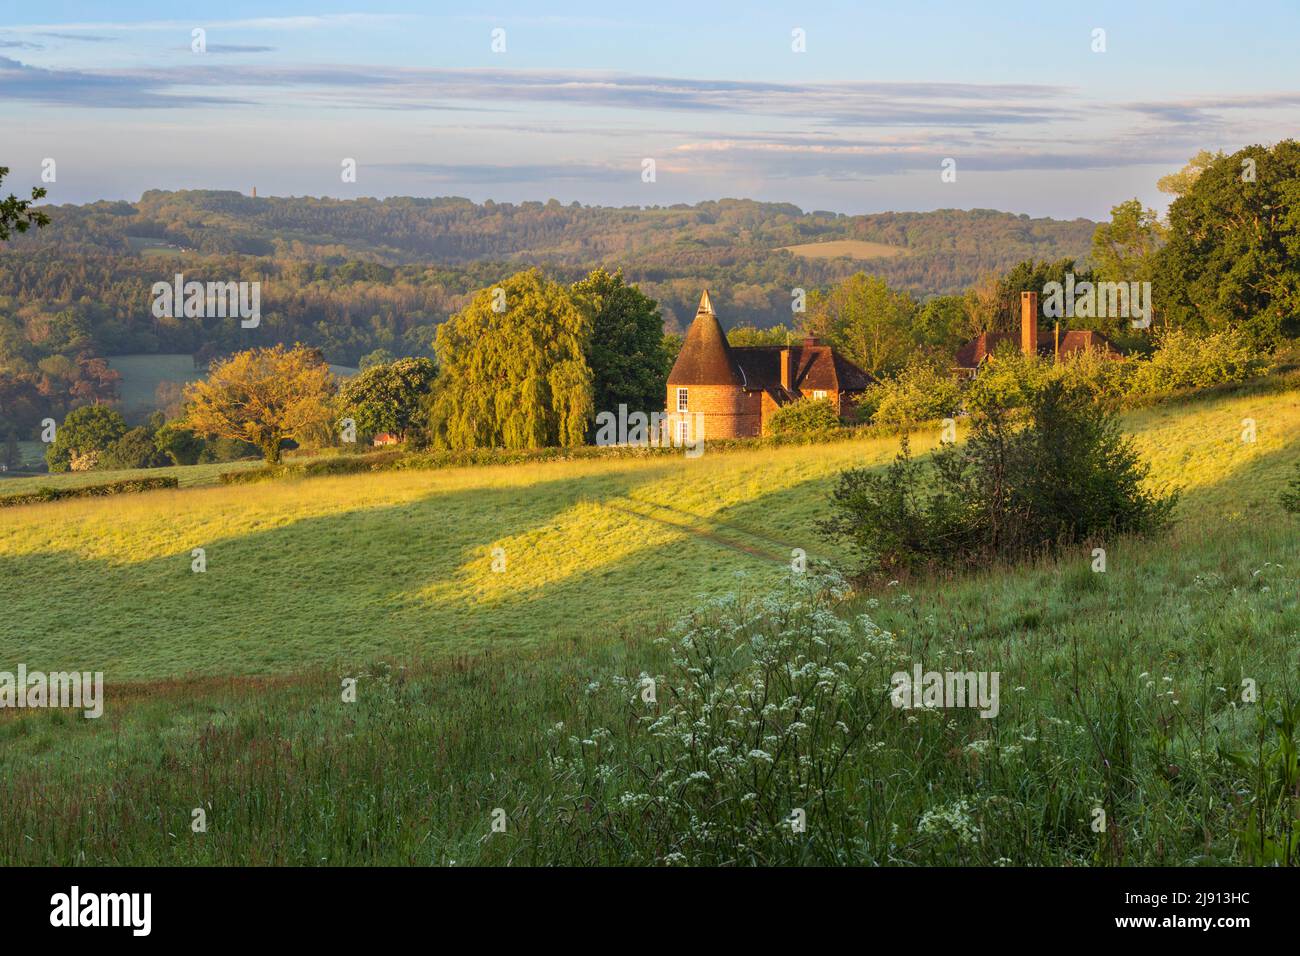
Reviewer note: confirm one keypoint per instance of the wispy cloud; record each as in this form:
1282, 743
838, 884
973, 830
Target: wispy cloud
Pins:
79, 37
18, 81
488, 174
249, 23
867, 104
238, 48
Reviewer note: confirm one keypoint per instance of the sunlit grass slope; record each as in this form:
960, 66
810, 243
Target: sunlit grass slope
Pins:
348, 569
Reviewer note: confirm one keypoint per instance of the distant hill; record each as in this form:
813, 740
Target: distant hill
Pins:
350, 277
728, 241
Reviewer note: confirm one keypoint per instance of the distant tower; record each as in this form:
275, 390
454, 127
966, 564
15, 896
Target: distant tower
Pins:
254, 192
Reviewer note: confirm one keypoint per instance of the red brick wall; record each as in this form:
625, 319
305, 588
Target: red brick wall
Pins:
729, 412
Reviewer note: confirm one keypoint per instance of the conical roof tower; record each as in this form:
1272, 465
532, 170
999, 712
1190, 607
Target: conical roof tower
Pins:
705, 358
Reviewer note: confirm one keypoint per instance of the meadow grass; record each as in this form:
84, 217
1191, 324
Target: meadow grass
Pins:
1117, 691
325, 570
1120, 691
189, 476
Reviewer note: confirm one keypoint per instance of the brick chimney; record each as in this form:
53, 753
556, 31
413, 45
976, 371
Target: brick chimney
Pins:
1029, 323
786, 362
811, 341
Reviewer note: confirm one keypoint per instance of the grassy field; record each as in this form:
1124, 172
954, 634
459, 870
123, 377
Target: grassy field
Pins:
1119, 689
331, 570
853, 248
189, 476
141, 376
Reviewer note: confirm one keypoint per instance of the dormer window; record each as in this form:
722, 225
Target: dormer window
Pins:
682, 404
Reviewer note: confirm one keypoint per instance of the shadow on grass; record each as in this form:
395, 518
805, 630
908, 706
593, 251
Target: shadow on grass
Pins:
413, 578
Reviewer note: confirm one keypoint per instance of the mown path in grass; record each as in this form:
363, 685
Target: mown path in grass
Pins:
349, 569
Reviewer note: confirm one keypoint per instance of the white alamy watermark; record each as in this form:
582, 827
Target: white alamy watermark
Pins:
653, 430
210, 300
1098, 300
75, 908
76, 689
943, 689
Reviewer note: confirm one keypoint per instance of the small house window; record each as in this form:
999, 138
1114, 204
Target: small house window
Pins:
681, 400
819, 394
683, 431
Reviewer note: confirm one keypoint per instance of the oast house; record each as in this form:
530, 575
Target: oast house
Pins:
737, 388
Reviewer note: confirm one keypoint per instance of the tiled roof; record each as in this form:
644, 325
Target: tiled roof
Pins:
812, 367
705, 357
976, 351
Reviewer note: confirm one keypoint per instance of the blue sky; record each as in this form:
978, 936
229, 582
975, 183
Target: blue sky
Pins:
582, 94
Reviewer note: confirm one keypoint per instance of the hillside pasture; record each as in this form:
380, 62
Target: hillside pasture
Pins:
345, 569
848, 248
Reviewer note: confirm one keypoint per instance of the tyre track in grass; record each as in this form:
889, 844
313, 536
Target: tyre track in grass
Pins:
705, 528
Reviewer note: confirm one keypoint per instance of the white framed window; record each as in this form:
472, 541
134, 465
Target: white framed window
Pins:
682, 404
683, 430
819, 394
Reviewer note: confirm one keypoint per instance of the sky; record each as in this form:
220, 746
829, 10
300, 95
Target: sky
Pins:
504, 101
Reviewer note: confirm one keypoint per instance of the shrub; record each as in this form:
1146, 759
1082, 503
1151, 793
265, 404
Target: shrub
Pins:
178, 444
1066, 476
85, 432
1291, 496
135, 449
131, 486
900, 519
921, 392
1007, 381
341, 465
1106, 379
1186, 360
227, 449
807, 416
83, 461
253, 475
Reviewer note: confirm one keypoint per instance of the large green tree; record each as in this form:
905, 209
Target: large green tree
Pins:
626, 348
941, 324
514, 369
87, 430
866, 320
1233, 256
263, 396
1180, 183
390, 397
1124, 249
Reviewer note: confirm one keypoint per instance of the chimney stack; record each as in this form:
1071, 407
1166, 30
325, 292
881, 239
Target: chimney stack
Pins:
785, 369
1029, 323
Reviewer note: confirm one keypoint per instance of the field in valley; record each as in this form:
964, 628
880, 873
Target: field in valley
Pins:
852, 248
223, 687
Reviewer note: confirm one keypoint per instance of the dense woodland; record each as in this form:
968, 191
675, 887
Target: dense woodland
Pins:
353, 276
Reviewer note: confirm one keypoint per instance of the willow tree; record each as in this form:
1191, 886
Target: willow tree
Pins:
263, 396
514, 369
